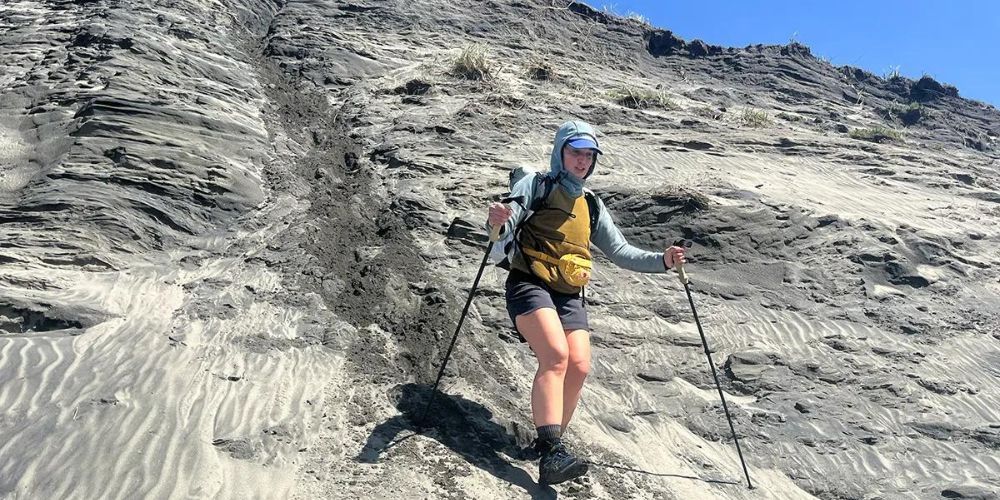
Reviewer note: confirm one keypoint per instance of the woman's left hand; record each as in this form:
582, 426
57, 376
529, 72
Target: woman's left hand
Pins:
672, 256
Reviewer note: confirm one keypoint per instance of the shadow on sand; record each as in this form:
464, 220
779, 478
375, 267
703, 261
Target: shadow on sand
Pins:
659, 474
465, 427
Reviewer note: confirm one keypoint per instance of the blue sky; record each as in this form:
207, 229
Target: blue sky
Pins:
956, 42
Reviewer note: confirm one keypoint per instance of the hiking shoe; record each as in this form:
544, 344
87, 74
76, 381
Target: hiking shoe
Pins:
558, 465
531, 452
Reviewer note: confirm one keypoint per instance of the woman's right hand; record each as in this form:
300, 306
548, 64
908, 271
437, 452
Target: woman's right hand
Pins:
499, 214
673, 255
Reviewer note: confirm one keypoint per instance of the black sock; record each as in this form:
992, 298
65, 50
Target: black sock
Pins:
548, 435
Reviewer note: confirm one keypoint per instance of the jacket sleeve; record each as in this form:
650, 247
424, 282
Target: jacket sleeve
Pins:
526, 189
612, 242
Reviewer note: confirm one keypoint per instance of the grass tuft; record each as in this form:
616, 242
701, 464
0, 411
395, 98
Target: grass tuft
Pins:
755, 118
540, 69
909, 114
473, 63
878, 134
686, 200
638, 98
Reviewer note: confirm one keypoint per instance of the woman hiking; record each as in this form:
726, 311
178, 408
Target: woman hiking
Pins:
549, 267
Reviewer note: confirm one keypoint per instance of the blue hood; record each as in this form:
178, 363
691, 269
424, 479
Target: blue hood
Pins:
567, 131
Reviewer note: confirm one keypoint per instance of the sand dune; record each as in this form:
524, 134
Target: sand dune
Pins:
237, 236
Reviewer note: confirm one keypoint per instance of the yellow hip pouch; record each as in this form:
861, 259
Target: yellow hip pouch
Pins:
575, 269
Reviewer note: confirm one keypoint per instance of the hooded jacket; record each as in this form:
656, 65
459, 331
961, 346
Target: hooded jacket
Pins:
605, 234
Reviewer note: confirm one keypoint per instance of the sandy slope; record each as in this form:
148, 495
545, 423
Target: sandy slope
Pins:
236, 241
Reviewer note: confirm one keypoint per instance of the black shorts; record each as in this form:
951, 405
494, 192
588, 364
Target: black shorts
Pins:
526, 293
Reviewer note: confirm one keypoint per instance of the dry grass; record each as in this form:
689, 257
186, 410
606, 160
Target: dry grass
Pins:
639, 98
682, 199
878, 134
540, 69
640, 19
473, 63
708, 112
635, 17
505, 99
498, 93
909, 114
789, 117
755, 118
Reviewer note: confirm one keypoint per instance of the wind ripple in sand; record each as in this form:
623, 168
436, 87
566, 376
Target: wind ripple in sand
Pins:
122, 378
820, 387
201, 365
14, 171
134, 406
818, 184
834, 359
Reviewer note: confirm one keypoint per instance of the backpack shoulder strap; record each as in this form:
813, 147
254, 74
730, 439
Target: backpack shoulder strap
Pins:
593, 206
541, 181
546, 184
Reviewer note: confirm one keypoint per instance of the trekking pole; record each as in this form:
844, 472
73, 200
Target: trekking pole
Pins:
494, 236
704, 342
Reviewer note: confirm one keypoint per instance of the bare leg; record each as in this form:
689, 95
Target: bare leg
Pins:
544, 333
576, 372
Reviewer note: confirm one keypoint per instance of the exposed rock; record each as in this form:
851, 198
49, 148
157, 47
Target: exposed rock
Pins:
804, 407
618, 422
970, 491
657, 374
663, 43
928, 89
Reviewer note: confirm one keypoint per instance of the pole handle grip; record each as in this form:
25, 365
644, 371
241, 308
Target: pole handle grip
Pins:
495, 233
681, 274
